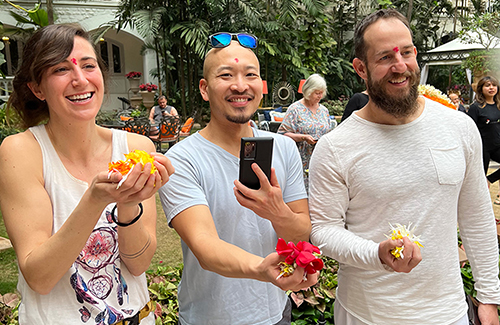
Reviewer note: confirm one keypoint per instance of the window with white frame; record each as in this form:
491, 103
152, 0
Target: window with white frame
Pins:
12, 53
112, 55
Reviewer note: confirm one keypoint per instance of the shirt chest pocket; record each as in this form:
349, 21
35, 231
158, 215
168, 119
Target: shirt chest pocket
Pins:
449, 165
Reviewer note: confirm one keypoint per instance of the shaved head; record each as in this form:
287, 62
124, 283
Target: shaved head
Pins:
211, 57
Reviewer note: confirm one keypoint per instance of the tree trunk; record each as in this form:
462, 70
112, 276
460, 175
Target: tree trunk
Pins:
410, 9
158, 67
50, 12
165, 63
182, 77
190, 80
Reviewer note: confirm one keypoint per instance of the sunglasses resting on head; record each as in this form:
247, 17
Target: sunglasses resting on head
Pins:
220, 40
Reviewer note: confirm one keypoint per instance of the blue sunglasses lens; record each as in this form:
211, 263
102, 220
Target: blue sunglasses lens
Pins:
224, 39
247, 40
220, 40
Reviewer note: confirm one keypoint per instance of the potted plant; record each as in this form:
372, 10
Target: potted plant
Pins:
147, 92
133, 75
133, 78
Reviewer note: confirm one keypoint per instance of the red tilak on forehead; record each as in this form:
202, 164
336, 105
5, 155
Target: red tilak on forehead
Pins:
236, 59
396, 49
73, 60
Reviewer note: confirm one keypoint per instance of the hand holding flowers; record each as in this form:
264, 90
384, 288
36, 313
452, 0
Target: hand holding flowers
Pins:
401, 251
304, 255
125, 166
139, 177
270, 270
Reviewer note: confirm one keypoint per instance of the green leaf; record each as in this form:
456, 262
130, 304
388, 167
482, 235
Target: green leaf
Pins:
40, 17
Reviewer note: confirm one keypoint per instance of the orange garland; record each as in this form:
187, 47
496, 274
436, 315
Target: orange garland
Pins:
441, 101
436, 95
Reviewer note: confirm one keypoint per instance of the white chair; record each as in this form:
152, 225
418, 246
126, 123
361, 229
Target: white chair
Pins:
276, 116
333, 123
263, 123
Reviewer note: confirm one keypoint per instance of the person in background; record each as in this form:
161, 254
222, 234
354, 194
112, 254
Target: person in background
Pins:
158, 111
229, 232
307, 120
408, 160
82, 242
457, 101
356, 102
485, 111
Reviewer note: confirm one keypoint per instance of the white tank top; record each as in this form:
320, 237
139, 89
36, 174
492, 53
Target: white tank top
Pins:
97, 289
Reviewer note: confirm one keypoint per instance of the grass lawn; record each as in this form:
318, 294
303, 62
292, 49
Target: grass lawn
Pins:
168, 252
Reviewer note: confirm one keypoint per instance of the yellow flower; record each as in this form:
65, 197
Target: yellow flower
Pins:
141, 156
134, 157
286, 269
398, 232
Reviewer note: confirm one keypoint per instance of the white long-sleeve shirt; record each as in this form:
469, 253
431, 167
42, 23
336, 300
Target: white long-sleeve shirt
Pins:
429, 172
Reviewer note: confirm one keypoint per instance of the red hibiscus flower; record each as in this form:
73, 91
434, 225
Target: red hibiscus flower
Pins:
304, 255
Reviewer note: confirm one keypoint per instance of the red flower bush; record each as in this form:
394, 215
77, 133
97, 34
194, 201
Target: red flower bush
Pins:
133, 74
304, 255
149, 87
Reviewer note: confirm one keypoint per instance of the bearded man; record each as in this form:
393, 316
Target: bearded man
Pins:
402, 159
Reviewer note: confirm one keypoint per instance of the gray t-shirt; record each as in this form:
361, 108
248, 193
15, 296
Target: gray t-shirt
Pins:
158, 114
204, 175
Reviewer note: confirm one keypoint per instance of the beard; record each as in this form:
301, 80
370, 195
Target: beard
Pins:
400, 105
240, 119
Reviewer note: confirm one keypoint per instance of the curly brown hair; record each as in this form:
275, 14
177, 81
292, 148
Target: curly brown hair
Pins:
479, 91
46, 48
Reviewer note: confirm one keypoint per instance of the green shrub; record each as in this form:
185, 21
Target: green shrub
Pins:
8, 126
335, 107
163, 283
106, 117
317, 302
9, 305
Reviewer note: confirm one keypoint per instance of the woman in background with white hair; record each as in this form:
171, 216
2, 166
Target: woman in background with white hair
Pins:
307, 120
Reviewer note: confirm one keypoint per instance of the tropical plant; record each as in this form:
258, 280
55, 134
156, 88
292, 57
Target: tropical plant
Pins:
480, 62
336, 106
316, 303
163, 283
106, 116
481, 28
9, 122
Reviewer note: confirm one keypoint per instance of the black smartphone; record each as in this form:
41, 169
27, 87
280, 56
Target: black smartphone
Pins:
255, 150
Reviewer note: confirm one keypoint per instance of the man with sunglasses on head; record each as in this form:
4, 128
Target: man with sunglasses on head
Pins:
402, 159
229, 232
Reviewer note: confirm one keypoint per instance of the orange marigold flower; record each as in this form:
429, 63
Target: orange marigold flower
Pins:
120, 166
133, 158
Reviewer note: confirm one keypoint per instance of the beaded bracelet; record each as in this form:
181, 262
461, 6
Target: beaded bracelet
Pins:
121, 224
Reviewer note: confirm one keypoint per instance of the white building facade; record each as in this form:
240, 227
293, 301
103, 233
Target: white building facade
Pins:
120, 50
